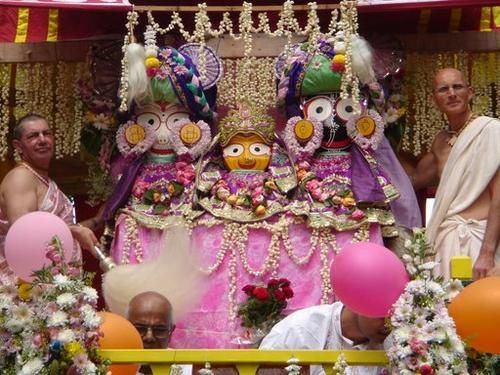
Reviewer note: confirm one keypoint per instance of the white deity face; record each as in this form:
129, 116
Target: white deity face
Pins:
161, 117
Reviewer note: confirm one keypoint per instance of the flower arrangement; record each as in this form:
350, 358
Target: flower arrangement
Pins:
265, 304
51, 325
424, 337
255, 196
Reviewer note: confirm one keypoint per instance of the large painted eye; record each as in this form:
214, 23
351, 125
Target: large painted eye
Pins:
260, 149
233, 150
319, 108
149, 119
344, 108
176, 116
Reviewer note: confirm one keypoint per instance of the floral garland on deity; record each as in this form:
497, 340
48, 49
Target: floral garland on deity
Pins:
51, 325
424, 338
286, 26
235, 238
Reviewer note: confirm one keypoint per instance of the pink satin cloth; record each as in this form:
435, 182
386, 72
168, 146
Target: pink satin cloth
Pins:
208, 325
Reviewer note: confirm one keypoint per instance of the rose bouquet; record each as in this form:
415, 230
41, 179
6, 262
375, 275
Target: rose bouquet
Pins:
264, 304
50, 325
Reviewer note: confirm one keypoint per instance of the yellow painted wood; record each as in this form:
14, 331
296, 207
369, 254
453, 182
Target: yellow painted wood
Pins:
160, 369
246, 357
246, 369
461, 267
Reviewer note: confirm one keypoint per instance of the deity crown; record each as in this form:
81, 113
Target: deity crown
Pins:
246, 120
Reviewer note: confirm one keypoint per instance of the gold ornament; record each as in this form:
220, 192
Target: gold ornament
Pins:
365, 126
135, 134
304, 130
190, 134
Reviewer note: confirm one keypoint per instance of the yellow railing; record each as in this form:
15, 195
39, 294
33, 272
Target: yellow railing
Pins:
247, 361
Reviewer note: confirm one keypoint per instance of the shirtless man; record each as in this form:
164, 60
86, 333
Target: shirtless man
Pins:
466, 158
27, 187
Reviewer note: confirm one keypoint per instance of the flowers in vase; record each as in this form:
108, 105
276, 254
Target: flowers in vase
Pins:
50, 325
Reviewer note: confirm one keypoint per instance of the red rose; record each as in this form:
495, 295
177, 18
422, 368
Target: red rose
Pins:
248, 289
273, 282
426, 369
279, 295
284, 282
261, 293
288, 292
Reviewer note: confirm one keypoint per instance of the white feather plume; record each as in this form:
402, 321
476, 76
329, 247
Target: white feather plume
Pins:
174, 273
362, 55
138, 82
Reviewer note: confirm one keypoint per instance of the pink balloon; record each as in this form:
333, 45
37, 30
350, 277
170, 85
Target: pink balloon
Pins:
27, 240
368, 278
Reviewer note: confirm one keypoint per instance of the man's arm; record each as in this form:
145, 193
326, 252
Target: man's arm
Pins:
426, 171
19, 194
486, 259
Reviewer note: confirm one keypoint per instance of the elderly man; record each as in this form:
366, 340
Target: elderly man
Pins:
333, 327
152, 315
466, 158
28, 188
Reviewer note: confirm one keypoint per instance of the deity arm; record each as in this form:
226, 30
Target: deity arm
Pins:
486, 259
19, 194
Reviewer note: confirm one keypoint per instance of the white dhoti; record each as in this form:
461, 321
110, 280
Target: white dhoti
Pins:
459, 237
473, 162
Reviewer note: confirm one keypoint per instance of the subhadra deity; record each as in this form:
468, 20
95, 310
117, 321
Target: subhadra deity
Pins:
161, 142
244, 185
344, 163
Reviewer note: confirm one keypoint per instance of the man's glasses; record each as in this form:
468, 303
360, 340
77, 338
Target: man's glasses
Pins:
457, 88
156, 331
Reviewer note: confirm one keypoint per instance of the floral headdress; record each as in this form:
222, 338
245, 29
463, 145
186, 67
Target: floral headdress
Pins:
170, 75
246, 120
306, 73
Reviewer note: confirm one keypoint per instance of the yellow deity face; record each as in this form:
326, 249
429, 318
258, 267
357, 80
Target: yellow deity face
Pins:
247, 151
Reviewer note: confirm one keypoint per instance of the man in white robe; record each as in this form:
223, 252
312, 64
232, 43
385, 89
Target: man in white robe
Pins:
331, 327
466, 157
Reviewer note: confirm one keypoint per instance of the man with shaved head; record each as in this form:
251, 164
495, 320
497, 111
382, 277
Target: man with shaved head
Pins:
466, 157
152, 315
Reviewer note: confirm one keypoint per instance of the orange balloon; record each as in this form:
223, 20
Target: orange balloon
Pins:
119, 333
476, 311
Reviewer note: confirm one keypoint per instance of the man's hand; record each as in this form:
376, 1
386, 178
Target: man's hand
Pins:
484, 263
85, 237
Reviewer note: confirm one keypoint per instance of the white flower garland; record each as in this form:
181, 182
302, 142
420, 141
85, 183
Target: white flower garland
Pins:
141, 147
366, 142
424, 338
293, 367
297, 151
5, 74
200, 147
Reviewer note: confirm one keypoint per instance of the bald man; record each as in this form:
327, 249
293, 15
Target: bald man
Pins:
466, 158
152, 315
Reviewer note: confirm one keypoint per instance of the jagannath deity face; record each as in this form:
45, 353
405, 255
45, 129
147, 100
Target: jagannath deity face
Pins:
333, 112
161, 117
247, 152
